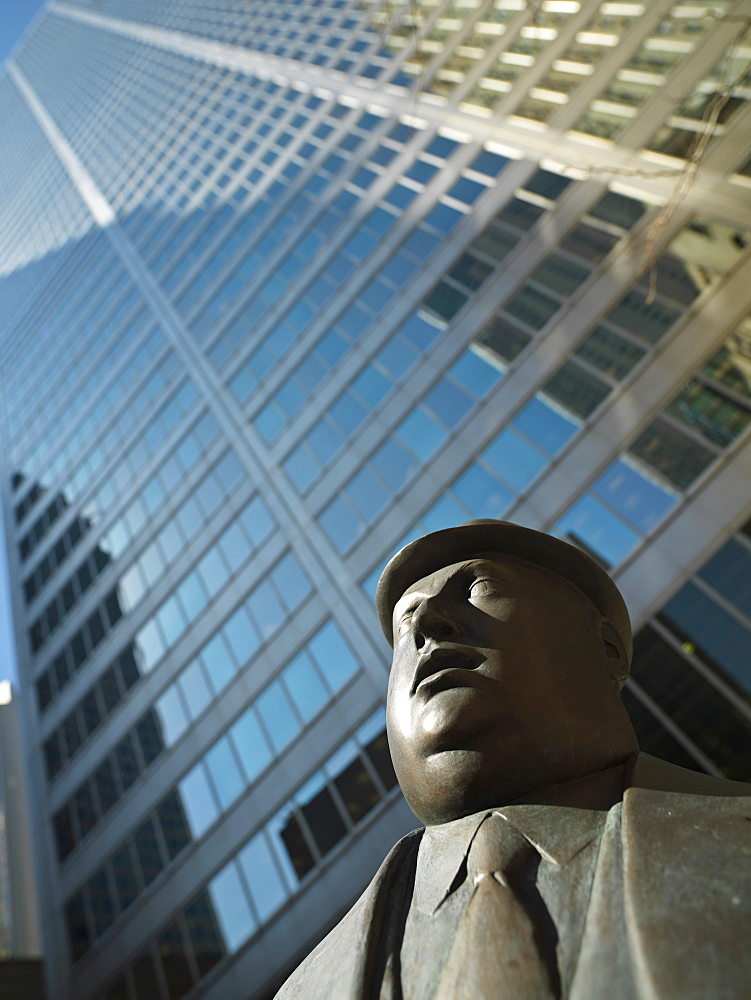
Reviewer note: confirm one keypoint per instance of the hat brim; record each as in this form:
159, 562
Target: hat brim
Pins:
442, 548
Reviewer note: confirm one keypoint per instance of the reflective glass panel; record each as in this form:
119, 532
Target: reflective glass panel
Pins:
278, 716
266, 886
225, 773
232, 908
251, 744
198, 799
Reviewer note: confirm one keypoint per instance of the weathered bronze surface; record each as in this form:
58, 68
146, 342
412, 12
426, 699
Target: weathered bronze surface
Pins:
556, 860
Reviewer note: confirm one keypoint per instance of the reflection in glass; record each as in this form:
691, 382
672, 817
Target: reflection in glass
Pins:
195, 689
591, 525
670, 452
172, 717
710, 412
304, 686
481, 493
231, 906
251, 745
225, 773
638, 498
267, 612
218, 661
576, 390
198, 799
719, 638
610, 352
729, 572
266, 887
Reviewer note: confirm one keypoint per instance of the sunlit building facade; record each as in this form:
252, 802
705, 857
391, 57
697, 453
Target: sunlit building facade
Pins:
285, 283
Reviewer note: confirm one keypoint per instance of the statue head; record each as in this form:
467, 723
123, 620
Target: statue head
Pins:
510, 650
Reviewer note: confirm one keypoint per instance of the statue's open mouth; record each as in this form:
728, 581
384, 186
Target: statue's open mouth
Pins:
435, 669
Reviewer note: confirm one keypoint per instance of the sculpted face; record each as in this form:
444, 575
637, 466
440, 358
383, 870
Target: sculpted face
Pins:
505, 680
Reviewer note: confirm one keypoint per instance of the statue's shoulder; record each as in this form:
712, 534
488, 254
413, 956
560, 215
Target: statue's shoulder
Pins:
669, 810
336, 967
686, 848
652, 773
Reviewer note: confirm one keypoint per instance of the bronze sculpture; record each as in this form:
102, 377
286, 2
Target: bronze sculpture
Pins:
556, 860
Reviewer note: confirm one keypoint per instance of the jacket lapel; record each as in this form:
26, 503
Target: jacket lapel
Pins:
377, 976
358, 954
603, 968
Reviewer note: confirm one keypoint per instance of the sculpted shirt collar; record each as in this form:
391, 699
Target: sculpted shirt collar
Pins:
559, 822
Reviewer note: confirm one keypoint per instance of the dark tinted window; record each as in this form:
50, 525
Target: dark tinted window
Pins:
323, 818
671, 452
144, 978
548, 184
150, 737
729, 572
618, 209
357, 790
64, 836
79, 938
718, 638
175, 962
720, 731
106, 786
577, 390
118, 991
124, 875
204, 933
297, 847
174, 825
83, 804
653, 737
102, 910
504, 338
378, 753
149, 854
127, 762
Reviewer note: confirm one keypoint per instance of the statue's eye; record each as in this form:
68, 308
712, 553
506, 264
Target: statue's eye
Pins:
405, 620
483, 587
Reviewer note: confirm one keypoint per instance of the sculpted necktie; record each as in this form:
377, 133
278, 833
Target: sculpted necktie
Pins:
494, 955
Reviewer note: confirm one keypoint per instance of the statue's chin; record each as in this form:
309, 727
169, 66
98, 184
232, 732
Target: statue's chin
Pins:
448, 784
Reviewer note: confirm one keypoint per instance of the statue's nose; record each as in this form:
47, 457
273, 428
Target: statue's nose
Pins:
432, 622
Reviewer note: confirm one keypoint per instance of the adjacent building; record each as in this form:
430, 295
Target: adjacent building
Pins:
21, 968
283, 284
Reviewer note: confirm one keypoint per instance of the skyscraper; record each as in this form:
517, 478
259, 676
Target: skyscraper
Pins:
285, 283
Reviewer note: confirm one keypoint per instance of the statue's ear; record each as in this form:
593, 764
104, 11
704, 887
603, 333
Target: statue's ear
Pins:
616, 658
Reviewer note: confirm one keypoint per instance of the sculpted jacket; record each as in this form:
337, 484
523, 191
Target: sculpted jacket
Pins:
676, 855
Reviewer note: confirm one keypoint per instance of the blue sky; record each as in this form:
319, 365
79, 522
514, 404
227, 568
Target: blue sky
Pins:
14, 16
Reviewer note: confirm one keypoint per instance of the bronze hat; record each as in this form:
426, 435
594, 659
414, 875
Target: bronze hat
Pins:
441, 548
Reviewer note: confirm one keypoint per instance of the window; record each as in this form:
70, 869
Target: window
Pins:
412, 443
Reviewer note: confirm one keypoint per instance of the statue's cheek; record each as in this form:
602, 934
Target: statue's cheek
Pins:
399, 712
